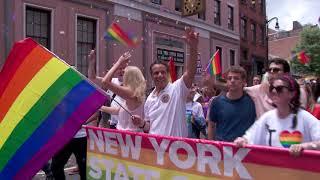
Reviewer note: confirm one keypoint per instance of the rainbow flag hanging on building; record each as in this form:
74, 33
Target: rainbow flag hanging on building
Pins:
214, 66
116, 33
43, 103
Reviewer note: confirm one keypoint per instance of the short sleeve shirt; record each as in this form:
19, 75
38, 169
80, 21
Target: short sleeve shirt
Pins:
166, 111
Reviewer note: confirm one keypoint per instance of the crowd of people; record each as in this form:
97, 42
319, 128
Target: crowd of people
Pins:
274, 108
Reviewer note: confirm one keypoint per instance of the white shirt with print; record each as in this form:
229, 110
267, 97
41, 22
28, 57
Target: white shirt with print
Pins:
166, 112
307, 129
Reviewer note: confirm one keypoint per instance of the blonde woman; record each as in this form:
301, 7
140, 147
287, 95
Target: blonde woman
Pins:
132, 91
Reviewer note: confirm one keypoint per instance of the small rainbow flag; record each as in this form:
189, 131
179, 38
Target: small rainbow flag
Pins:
303, 57
116, 33
43, 103
214, 66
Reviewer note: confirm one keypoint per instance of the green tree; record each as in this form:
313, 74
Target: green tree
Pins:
310, 43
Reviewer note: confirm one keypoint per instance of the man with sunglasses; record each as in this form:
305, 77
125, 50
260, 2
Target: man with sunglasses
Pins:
260, 93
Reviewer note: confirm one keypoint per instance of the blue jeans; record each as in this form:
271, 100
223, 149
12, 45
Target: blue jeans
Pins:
196, 126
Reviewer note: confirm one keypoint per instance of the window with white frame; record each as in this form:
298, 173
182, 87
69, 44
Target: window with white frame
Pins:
230, 18
86, 41
38, 25
243, 27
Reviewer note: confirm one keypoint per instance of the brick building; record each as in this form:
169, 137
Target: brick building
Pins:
282, 43
253, 45
70, 28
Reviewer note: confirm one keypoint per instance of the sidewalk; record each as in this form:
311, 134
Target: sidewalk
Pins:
69, 171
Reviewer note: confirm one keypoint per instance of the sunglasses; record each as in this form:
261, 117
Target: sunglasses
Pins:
279, 89
274, 70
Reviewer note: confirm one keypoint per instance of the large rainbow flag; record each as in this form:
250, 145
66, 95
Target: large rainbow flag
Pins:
116, 33
214, 66
43, 103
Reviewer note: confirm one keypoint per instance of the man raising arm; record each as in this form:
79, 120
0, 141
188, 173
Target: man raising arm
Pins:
165, 106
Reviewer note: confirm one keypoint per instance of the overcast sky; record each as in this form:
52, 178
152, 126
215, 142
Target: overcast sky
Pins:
304, 11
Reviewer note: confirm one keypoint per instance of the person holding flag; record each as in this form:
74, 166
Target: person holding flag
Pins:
132, 91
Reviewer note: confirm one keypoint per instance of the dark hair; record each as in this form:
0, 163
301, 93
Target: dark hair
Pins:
295, 104
284, 63
258, 76
238, 69
315, 88
158, 62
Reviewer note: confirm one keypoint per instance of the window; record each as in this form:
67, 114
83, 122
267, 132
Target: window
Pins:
230, 17
243, 1
217, 12
253, 3
262, 4
202, 15
253, 33
232, 57
38, 25
220, 53
262, 35
244, 55
156, 2
178, 5
86, 41
243, 28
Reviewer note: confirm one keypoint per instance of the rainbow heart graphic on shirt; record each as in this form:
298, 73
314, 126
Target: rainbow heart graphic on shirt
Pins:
287, 139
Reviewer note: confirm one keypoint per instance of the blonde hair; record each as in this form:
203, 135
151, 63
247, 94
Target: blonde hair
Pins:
134, 79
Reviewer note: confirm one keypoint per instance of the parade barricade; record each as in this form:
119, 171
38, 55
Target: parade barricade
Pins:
114, 154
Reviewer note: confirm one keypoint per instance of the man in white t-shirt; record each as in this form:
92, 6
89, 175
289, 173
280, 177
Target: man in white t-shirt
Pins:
98, 80
165, 107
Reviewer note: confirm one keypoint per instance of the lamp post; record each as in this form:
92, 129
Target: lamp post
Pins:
277, 27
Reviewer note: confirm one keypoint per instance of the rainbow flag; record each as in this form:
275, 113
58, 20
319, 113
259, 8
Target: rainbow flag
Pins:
43, 103
214, 66
303, 57
116, 33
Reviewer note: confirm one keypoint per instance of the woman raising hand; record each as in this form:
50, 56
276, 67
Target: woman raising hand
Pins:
132, 91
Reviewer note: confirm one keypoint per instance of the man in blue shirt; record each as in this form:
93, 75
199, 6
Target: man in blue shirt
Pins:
233, 113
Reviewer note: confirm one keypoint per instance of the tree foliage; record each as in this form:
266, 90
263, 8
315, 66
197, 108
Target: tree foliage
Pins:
310, 43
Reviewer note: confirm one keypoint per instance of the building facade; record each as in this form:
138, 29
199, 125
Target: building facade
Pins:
71, 28
281, 44
253, 44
